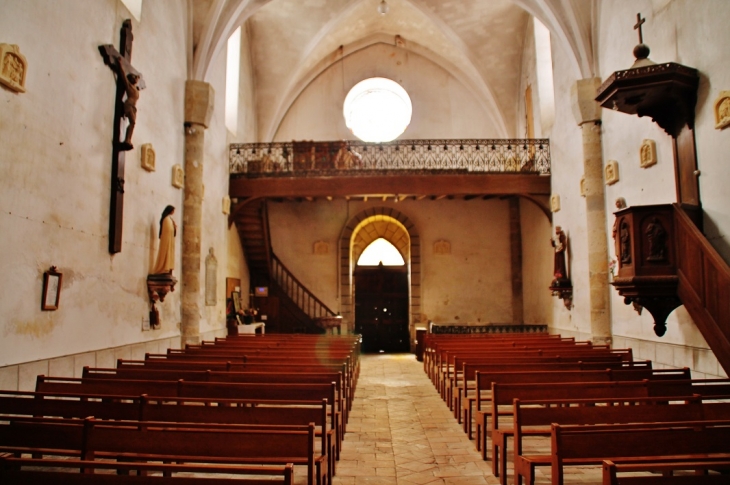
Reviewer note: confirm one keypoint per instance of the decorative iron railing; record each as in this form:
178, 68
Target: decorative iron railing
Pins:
299, 294
420, 156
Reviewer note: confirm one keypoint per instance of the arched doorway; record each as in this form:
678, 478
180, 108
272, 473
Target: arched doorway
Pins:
381, 299
359, 232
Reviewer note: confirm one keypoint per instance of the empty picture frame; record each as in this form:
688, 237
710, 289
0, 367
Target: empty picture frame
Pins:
51, 289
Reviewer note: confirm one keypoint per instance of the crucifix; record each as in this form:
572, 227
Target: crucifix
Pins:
639, 23
129, 83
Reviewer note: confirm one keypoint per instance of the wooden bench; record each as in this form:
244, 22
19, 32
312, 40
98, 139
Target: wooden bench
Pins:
639, 443
700, 469
31, 471
504, 394
484, 383
205, 390
343, 393
91, 439
556, 355
177, 410
444, 356
534, 418
467, 375
228, 366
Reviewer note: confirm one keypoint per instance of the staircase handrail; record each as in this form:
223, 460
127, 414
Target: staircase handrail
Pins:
704, 282
300, 294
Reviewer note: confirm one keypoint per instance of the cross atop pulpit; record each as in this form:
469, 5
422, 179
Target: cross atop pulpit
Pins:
129, 83
639, 23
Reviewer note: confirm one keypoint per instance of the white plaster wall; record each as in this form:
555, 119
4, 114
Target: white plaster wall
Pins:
442, 106
55, 167
470, 285
566, 150
537, 264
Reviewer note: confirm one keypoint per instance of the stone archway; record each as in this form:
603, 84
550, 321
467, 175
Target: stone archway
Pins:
358, 233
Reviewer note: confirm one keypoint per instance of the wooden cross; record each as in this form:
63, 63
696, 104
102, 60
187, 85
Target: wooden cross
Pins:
120, 63
639, 23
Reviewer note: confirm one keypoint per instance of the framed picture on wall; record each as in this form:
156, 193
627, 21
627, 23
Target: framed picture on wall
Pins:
236, 297
51, 289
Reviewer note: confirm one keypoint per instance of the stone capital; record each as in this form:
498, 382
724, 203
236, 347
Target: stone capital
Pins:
199, 100
583, 99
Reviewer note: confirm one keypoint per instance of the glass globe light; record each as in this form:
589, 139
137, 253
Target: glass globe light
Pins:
383, 8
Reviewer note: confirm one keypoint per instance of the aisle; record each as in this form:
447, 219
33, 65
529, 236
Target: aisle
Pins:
400, 431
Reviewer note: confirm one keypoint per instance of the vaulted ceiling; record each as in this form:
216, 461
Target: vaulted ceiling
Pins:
479, 41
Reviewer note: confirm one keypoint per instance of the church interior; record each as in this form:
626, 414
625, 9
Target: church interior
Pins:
201, 175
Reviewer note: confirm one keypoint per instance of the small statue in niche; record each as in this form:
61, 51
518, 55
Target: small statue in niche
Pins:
620, 204
625, 242
211, 278
657, 237
559, 242
166, 252
130, 103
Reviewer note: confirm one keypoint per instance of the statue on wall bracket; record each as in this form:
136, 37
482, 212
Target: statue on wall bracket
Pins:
561, 286
160, 281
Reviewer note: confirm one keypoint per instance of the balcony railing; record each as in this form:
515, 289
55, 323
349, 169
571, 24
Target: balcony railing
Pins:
351, 158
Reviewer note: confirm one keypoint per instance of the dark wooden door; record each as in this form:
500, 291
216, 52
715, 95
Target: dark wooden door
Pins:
381, 308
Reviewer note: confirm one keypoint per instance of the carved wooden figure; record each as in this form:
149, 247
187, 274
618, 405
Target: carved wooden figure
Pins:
120, 63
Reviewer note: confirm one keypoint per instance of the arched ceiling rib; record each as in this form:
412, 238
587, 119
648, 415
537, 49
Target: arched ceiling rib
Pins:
472, 81
480, 39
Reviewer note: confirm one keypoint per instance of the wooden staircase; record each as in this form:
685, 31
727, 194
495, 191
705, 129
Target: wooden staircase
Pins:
704, 285
297, 308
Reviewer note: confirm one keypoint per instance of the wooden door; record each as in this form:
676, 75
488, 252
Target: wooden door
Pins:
381, 308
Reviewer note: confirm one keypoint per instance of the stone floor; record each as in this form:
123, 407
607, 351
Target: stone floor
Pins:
401, 432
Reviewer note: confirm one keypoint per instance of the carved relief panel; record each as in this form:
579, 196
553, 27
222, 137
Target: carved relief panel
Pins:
643, 241
611, 172
148, 157
722, 110
442, 247
647, 153
13, 68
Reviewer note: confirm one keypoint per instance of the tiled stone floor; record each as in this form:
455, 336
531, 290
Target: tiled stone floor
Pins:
401, 432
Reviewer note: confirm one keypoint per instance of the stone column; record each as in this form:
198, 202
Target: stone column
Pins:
199, 98
588, 115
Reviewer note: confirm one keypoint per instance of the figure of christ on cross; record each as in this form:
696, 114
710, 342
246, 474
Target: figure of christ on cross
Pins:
130, 103
129, 83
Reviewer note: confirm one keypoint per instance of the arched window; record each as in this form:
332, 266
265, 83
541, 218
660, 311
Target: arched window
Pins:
233, 66
545, 84
377, 110
379, 251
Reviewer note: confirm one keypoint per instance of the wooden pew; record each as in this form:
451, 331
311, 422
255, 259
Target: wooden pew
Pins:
571, 354
469, 367
90, 439
485, 380
177, 410
439, 358
534, 418
32, 471
700, 469
343, 393
434, 342
205, 390
228, 366
644, 442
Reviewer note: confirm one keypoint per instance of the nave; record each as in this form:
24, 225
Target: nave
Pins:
401, 432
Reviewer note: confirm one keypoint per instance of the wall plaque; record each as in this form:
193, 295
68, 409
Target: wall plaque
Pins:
13, 68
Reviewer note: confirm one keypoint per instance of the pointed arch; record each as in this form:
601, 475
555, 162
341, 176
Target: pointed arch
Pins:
357, 234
